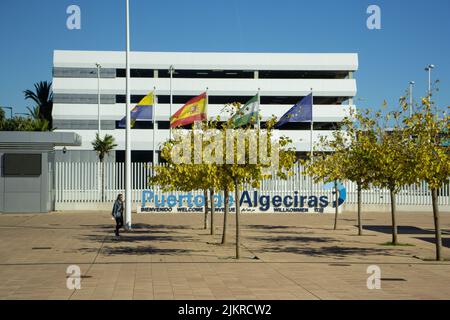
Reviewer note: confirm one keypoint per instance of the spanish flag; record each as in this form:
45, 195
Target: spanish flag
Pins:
143, 111
194, 110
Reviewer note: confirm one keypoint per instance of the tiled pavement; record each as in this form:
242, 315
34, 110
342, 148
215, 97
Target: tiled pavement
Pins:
169, 256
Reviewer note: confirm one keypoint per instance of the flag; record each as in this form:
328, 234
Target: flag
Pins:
143, 111
193, 110
248, 113
300, 112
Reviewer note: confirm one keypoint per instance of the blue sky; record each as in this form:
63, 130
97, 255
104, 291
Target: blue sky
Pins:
413, 34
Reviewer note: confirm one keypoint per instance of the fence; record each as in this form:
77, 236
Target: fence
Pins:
80, 182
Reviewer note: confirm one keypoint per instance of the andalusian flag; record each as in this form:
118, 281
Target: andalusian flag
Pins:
194, 110
143, 111
248, 113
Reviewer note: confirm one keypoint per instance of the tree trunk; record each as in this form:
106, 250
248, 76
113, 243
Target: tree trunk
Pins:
225, 214
393, 211
336, 210
103, 180
437, 227
205, 195
238, 211
211, 196
359, 209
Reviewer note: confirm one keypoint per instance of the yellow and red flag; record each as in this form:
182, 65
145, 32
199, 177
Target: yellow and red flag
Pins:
194, 110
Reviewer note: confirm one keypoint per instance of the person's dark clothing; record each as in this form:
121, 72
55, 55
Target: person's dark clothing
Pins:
117, 213
119, 224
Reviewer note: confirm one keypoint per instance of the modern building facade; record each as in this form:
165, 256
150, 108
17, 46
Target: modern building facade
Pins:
281, 78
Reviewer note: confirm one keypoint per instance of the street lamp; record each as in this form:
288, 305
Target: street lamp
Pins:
10, 110
411, 85
22, 114
98, 97
171, 70
429, 68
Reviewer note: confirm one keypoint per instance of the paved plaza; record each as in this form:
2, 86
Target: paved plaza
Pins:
170, 256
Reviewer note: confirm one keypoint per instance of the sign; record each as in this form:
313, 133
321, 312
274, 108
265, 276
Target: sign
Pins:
250, 201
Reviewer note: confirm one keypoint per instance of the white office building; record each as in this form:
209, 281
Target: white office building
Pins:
282, 78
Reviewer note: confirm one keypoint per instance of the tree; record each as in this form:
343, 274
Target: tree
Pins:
219, 175
327, 167
429, 132
351, 155
43, 97
393, 164
34, 112
253, 174
103, 147
186, 176
22, 123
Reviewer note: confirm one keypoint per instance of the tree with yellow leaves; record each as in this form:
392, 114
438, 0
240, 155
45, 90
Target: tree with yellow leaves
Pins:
350, 155
429, 132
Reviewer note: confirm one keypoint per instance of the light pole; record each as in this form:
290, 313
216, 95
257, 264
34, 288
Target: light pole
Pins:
98, 97
171, 100
127, 123
10, 110
411, 85
429, 68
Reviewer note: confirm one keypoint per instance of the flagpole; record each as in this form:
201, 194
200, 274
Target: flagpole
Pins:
207, 103
128, 124
171, 100
312, 124
155, 101
259, 103
311, 136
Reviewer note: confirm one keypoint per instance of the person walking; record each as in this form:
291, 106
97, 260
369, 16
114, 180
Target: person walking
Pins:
117, 213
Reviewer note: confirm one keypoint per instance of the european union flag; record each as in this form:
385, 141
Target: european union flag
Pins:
300, 112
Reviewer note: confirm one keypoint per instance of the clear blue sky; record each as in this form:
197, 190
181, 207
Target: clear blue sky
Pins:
413, 34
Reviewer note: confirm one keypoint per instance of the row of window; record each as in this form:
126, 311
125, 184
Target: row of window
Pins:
178, 99
269, 100
165, 125
234, 74
59, 72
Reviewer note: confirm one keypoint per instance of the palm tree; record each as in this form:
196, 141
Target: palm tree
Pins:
103, 147
34, 112
43, 97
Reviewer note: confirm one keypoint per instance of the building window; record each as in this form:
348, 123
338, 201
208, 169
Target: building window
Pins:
22, 165
267, 100
60, 72
138, 125
288, 74
208, 74
135, 73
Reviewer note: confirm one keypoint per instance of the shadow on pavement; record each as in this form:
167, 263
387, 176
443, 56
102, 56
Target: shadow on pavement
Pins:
445, 241
141, 250
298, 239
134, 238
335, 251
267, 226
400, 229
